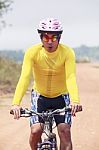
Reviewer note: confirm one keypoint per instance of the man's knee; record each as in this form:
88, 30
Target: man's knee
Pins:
36, 129
64, 130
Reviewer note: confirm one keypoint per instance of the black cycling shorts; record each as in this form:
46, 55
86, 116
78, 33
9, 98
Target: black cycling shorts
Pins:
40, 103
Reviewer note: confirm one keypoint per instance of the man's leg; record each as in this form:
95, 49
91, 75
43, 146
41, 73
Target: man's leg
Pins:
35, 135
65, 136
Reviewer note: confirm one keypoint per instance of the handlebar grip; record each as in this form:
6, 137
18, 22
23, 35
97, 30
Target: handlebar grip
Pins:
68, 109
80, 109
11, 112
22, 111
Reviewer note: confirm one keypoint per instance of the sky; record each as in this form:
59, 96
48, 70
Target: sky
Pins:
80, 20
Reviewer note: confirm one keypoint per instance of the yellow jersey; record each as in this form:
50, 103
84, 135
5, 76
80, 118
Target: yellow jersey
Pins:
53, 73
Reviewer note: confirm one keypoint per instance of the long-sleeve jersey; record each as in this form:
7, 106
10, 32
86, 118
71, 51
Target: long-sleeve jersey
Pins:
53, 73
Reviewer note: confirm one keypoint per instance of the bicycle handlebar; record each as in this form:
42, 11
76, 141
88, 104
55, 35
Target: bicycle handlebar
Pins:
28, 113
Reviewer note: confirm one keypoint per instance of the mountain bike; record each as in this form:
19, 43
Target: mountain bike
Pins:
50, 140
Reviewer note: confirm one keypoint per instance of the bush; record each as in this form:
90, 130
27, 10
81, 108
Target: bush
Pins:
9, 73
83, 60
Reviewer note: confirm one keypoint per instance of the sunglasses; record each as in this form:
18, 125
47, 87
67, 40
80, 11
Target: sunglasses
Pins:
46, 38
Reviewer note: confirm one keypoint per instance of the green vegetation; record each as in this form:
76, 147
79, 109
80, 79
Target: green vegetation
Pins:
87, 54
16, 55
4, 8
9, 74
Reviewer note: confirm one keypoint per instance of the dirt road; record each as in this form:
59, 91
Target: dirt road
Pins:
85, 129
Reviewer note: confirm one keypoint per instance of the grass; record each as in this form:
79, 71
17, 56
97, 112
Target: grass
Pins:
9, 74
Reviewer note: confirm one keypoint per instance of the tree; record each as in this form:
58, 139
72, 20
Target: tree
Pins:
4, 8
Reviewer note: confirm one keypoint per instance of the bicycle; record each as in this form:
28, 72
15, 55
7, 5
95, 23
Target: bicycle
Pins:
50, 141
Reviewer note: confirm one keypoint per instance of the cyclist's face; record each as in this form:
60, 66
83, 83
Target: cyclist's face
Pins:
50, 41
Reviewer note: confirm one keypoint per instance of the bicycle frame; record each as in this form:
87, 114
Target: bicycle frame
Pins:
50, 142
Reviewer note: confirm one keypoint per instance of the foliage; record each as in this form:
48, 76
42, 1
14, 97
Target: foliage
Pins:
87, 54
4, 8
9, 73
16, 55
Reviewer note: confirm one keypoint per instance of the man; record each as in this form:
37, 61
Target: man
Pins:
53, 68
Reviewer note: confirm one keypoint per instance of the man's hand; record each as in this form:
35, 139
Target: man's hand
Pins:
16, 111
75, 108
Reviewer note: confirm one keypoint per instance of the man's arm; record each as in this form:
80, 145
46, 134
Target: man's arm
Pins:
22, 84
70, 68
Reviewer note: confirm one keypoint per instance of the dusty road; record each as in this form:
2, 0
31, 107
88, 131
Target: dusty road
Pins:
85, 129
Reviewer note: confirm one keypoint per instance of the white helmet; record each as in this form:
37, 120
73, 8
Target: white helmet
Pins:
50, 25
